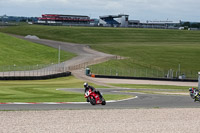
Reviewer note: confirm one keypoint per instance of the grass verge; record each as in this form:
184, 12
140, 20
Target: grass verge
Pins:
142, 86
156, 89
45, 91
159, 92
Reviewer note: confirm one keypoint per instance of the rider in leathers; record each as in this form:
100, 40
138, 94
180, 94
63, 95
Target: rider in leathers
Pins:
87, 87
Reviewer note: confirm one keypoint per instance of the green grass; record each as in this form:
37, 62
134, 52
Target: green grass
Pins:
142, 86
21, 52
156, 89
93, 35
146, 48
45, 91
180, 92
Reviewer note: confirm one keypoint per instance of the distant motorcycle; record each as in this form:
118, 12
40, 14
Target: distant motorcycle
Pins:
194, 94
94, 98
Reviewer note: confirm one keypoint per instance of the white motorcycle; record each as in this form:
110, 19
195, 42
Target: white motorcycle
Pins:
194, 94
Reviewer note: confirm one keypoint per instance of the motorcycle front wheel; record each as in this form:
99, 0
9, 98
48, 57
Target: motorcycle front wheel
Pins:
192, 96
88, 99
93, 101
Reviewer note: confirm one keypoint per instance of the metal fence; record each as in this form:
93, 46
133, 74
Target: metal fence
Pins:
50, 69
44, 70
92, 62
32, 70
147, 73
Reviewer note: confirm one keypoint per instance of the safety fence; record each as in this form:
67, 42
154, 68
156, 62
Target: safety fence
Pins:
96, 61
146, 73
49, 69
32, 70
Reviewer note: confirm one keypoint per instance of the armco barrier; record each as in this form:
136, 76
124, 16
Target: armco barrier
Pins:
51, 76
143, 78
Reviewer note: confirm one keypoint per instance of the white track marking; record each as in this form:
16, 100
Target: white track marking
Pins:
111, 101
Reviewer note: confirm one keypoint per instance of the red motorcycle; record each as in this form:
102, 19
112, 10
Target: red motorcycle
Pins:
94, 98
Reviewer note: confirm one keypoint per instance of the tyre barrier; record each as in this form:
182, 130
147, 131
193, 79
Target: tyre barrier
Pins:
141, 78
51, 76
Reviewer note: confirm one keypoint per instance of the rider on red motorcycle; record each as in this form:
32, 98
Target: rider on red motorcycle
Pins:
87, 87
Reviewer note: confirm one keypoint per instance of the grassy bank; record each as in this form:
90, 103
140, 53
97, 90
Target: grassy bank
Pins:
146, 48
45, 91
21, 52
98, 35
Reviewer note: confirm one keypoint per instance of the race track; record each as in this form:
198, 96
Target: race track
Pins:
142, 101
85, 54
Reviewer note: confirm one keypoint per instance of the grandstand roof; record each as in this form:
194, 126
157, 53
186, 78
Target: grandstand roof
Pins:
113, 16
64, 15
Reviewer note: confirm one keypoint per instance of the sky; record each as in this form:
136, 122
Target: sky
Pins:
154, 10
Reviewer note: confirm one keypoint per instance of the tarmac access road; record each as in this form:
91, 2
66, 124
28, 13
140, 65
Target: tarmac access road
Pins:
85, 56
142, 101
84, 53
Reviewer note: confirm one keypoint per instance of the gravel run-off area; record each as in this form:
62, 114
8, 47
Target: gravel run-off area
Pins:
182, 120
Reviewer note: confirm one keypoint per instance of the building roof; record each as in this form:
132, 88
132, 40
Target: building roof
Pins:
64, 15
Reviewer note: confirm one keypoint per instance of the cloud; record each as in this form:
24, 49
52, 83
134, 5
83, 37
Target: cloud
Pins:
33, 1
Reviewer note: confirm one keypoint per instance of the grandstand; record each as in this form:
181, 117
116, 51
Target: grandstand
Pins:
120, 20
58, 19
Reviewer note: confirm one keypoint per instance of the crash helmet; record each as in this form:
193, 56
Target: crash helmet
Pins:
190, 89
85, 84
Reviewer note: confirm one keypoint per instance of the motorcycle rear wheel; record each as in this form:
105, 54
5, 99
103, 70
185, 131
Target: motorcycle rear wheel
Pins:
103, 101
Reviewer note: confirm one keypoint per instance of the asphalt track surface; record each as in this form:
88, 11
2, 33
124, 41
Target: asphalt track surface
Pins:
142, 101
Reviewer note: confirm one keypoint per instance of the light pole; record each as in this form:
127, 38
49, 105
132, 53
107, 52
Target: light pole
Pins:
37, 69
14, 69
199, 80
59, 55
